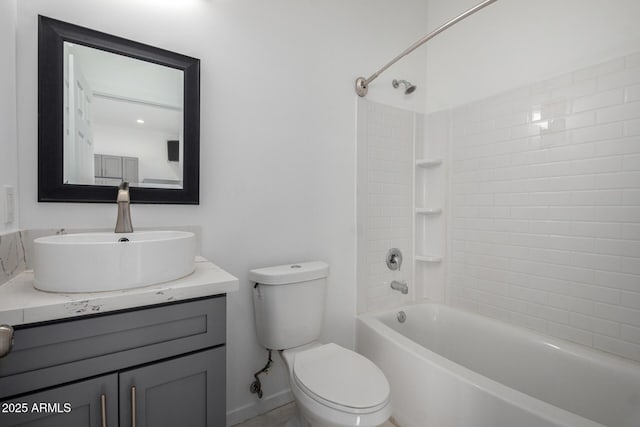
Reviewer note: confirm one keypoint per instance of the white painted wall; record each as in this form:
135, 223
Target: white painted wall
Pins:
278, 134
8, 138
511, 43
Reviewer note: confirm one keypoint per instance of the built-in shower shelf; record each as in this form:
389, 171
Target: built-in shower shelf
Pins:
429, 258
428, 211
428, 163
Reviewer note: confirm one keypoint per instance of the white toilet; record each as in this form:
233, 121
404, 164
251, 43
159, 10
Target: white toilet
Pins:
332, 386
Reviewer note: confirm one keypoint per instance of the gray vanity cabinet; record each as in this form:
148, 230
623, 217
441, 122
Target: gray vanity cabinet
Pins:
155, 366
87, 399
178, 392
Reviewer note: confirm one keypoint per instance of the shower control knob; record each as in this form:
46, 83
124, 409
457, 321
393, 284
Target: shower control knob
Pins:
394, 259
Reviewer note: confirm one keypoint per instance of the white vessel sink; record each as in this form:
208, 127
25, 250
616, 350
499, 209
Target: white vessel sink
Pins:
96, 262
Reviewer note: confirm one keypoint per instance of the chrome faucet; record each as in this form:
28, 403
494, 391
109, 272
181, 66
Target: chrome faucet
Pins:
123, 223
400, 286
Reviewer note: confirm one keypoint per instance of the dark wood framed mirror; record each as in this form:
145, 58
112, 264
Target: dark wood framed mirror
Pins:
113, 110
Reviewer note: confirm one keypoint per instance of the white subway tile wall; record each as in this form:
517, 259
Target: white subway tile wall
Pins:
385, 202
545, 218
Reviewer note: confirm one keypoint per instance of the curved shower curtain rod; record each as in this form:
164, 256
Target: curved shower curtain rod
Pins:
362, 84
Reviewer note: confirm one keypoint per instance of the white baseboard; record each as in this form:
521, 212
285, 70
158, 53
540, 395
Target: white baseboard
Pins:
258, 407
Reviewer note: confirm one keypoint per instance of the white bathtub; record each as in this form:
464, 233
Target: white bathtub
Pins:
450, 368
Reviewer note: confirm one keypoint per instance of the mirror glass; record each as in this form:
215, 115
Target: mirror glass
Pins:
122, 120
113, 110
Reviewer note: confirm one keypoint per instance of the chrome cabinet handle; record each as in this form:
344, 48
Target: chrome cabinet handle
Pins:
133, 406
6, 340
103, 410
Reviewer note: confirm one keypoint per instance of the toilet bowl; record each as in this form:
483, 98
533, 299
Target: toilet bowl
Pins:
336, 387
332, 386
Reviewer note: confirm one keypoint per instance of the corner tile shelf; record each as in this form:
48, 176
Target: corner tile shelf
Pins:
428, 163
429, 258
428, 211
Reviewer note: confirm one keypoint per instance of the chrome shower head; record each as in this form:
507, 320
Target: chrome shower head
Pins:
408, 87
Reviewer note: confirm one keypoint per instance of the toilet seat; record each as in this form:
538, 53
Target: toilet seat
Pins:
341, 379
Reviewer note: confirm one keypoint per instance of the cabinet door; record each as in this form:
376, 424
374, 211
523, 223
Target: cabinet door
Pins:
185, 391
111, 166
75, 405
97, 165
130, 169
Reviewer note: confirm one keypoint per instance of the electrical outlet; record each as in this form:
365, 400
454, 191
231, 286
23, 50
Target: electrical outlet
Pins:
9, 204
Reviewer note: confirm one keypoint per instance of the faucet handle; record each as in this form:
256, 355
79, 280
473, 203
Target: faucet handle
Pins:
123, 192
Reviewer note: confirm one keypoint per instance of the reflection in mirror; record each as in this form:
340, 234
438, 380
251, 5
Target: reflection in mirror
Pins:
122, 120
113, 110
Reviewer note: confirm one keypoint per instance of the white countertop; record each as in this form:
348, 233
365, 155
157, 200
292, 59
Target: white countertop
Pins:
21, 303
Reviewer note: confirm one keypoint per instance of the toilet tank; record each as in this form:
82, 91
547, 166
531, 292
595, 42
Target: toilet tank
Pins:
288, 301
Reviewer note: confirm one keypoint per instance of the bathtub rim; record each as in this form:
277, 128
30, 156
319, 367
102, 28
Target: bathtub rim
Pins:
523, 401
564, 345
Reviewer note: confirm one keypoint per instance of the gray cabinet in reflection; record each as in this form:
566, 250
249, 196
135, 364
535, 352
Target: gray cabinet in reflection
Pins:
130, 169
111, 166
111, 170
164, 364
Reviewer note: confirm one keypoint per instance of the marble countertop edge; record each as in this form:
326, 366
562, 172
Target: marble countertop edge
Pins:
21, 303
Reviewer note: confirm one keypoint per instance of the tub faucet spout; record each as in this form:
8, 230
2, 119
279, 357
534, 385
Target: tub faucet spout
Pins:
400, 286
123, 223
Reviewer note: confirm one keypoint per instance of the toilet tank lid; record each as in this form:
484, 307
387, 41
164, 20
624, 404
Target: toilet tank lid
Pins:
289, 273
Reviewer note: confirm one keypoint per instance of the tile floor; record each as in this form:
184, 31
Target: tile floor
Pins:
275, 418
278, 418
